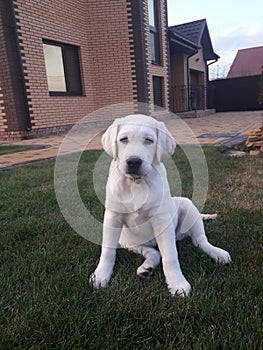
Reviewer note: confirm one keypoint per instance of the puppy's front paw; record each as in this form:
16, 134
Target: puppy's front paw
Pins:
145, 272
221, 256
99, 278
181, 288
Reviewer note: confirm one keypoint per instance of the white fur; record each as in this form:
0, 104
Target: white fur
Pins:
140, 211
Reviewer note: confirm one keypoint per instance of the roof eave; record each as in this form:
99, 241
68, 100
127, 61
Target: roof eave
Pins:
179, 41
211, 56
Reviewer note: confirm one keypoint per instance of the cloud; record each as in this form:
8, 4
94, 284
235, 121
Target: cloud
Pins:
255, 29
229, 40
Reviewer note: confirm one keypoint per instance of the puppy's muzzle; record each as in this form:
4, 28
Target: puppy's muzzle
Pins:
133, 165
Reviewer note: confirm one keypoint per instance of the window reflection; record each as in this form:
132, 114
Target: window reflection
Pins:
153, 10
151, 13
54, 68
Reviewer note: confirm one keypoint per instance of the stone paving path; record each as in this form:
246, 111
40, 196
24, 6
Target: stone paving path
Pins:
217, 129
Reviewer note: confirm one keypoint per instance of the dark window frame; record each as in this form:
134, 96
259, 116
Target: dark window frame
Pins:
155, 35
158, 92
69, 79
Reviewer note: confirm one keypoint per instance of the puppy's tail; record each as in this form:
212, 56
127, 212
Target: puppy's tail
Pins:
209, 216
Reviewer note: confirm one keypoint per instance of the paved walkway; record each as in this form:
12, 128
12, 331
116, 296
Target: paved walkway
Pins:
217, 129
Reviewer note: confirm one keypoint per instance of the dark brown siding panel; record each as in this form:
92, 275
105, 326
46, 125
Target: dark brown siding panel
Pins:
16, 106
138, 25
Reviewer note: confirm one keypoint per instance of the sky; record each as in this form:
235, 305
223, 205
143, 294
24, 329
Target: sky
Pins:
232, 25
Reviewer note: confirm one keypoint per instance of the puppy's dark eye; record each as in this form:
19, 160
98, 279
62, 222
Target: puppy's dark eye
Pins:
124, 139
148, 141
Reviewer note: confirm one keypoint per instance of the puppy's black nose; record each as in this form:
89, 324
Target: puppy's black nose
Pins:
133, 165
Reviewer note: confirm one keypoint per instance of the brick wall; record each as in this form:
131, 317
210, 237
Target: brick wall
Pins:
99, 29
7, 102
104, 32
163, 69
3, 60
3, 120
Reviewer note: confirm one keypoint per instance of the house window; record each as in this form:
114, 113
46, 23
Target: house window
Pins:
154, 30
158, 92
62, 68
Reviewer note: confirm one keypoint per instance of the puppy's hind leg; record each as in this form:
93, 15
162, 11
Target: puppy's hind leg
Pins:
152, 260
200, 240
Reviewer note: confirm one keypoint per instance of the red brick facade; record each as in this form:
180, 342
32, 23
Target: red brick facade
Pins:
161, 70
109, 56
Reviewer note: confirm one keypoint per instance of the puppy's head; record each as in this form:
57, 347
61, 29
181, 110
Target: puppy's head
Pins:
137, 142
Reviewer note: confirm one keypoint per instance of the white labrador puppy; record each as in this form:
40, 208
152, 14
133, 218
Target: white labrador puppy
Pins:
140, 213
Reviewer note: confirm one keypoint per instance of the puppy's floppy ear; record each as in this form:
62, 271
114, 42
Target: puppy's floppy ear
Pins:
109, 140
165, 143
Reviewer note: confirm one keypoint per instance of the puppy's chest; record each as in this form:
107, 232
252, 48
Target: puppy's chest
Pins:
142, 214
137, 197
136, 218
145, 201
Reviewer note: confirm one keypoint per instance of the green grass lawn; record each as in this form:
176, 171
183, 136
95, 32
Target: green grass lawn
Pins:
46, 301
